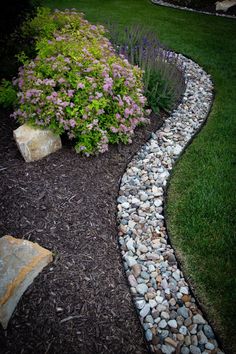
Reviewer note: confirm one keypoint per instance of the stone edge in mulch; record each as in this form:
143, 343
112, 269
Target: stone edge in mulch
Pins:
167, 4
170, 316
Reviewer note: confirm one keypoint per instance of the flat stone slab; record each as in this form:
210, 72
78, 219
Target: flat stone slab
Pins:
20, 262
35, 143
225, 5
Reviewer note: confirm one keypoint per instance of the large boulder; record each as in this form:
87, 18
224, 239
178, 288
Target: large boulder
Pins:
225, 5
35, 143
20, 262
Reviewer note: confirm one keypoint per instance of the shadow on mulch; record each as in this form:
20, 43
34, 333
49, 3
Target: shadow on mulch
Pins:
67, 203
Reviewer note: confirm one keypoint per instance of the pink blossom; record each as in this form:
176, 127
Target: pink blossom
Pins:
70, 93
72, 123
80, 85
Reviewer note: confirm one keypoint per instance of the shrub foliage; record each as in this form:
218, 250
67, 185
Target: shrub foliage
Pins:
77, 84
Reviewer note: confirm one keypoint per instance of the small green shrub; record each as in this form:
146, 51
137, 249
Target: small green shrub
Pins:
8, 95
78, 85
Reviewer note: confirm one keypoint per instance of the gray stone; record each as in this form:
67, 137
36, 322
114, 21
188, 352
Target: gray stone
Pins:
145, 310
162, 324
183, 311
202, 339
148, 335
35, 143
194, 340
208, 332
198, 319
165, 315
185, 350
149, 319
167, 349
131, 261
20, 262
145, 275
183, 330
121, 199
194, 349
193, 329
142, 288
209, 346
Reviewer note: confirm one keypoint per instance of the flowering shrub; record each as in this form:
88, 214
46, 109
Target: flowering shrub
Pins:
78, 84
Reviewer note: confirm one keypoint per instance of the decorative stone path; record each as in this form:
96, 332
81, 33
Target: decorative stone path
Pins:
171, 319
167, 4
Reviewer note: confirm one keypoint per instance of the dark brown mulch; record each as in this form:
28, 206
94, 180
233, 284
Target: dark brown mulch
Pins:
67, 203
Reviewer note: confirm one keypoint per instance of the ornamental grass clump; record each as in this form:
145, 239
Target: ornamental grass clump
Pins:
163, 77
78, 85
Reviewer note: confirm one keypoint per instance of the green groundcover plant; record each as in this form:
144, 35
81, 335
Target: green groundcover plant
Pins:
77, 84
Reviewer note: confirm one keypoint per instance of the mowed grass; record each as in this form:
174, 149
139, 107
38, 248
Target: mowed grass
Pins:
201, 197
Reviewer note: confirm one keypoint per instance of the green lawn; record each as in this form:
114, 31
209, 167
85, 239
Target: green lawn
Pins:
202, 190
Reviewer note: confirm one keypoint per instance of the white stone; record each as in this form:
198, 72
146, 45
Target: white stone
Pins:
159, 299
172, 323
140, 304
157, 192
20, 262
184, 290
177, 150
142, 288
130, 245
130, 261
152, 303
35, 143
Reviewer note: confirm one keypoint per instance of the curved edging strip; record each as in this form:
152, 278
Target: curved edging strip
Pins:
167, 4
172, 321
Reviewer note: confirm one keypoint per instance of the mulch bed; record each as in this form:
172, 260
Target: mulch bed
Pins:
81, 302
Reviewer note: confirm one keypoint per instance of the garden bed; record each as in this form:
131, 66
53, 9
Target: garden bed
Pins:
67, 203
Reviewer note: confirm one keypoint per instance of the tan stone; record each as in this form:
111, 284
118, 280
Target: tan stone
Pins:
20, 262
224, 5
35, 143
136, 268
186, 298
171, 342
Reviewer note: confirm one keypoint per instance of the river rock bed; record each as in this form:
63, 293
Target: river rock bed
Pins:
171, 319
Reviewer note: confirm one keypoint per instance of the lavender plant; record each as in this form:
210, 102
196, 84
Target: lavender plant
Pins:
163, 79
78, 84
